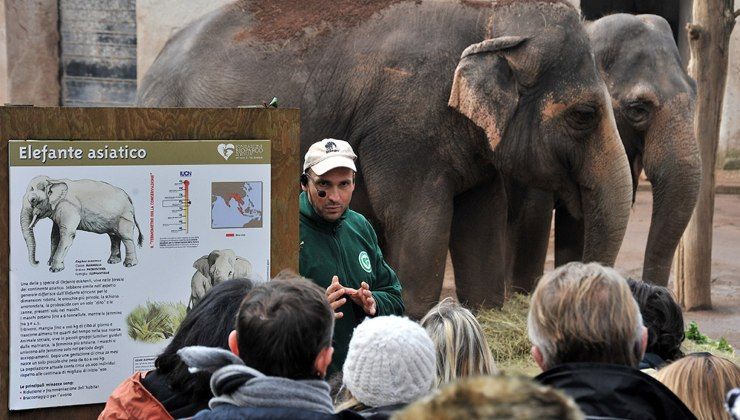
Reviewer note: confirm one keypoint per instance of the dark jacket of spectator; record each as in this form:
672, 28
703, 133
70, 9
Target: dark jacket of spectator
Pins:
231, 412
616, 391
241, 392
381, 413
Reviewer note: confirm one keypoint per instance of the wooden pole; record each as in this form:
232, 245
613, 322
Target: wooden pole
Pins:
709, 39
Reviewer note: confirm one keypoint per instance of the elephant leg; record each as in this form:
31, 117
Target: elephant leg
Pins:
477, 245
54, 242
115, 249
126, 233
417, 231
528, 235
569, 237
66, 237
199, 285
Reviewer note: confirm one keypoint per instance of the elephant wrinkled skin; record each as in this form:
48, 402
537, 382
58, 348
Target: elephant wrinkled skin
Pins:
441, 100
91, 206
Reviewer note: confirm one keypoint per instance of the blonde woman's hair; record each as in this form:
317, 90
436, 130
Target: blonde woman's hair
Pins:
493, 397
701, 381
585, 313
461, 347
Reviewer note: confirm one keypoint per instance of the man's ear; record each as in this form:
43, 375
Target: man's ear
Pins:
321, 364
233, 343
538, 358
643, 342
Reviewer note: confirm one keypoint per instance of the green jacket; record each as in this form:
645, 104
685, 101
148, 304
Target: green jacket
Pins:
347, 248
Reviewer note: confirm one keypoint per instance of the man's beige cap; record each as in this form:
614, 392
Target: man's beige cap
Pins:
327, 154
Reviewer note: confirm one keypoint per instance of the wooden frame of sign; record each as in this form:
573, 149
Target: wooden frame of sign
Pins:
280, 126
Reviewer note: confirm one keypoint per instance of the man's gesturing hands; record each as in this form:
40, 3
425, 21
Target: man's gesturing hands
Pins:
362, 296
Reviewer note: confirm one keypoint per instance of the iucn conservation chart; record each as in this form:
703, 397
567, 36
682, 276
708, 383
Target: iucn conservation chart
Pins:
109, 247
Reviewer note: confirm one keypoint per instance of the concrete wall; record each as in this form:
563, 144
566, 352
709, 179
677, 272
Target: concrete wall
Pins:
158, 20
3, 58
29, 55
729, 134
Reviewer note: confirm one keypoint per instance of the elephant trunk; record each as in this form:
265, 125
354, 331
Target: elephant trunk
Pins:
673, 166
606, 196
27, 229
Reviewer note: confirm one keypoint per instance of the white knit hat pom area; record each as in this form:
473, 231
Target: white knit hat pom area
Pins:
391, 360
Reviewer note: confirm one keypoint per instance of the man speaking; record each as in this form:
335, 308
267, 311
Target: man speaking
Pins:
339, 249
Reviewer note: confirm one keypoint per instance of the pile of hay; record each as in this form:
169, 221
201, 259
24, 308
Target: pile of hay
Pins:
506, 332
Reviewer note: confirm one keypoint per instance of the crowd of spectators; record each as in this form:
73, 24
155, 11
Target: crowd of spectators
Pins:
264, 352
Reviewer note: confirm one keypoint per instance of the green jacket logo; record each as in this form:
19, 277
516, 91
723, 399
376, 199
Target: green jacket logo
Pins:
365, 262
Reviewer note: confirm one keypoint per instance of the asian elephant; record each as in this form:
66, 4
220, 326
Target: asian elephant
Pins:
653, 101
72, 205
441, 100
216, 267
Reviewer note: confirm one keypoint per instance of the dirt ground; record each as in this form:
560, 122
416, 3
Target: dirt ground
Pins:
724, 318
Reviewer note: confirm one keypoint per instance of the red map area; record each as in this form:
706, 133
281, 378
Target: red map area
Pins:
239, 202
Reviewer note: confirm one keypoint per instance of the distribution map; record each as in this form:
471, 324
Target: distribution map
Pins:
236, 205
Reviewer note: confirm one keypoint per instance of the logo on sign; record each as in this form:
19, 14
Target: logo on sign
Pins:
226, 150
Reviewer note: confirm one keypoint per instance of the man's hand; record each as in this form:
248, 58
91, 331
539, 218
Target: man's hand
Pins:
363, 297
335, 295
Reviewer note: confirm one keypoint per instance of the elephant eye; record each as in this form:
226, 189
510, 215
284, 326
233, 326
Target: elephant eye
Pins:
637, 111
582, 116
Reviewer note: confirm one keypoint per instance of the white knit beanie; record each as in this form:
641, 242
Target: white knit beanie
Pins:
391, 360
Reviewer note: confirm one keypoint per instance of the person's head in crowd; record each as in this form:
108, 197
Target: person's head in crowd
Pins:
494, 397
663, 318
732, 403
284, 328
390, 362
585, 313
461, 346
702, 381
207, 324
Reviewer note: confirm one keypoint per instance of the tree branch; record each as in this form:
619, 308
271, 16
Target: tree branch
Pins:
736, 14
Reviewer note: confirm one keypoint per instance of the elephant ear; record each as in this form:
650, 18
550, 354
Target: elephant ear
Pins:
56, 192
202, 265
242, 268
484, 87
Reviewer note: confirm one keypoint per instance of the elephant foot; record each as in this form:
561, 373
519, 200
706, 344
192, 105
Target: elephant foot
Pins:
130, 263
56, 268
48, 262
114, 259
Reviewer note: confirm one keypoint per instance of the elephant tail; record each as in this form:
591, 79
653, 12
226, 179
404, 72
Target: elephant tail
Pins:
141, 237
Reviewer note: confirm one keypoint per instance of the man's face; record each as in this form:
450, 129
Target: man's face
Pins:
338, 184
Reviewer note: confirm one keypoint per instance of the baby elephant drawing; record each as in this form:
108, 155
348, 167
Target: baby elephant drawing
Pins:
91, 206
218, 266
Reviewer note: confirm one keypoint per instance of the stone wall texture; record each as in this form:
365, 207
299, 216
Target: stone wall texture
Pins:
30, 61
729, 134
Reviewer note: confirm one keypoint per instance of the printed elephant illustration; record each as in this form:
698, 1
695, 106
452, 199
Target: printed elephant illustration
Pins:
653, 102
72, 205
442, 101
220, 265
